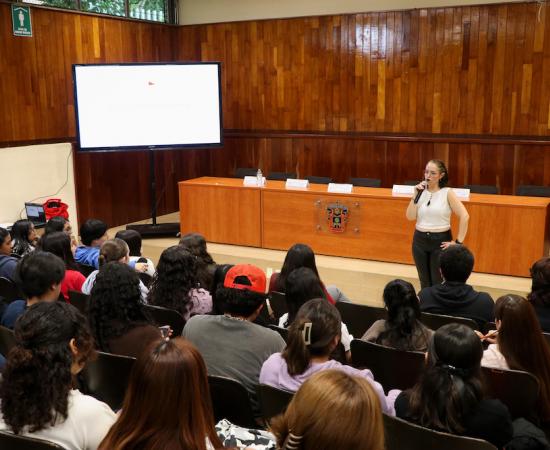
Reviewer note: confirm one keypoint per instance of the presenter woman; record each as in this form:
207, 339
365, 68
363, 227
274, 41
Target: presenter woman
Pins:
431, 207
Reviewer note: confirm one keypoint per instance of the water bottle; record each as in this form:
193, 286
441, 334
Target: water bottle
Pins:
259, 178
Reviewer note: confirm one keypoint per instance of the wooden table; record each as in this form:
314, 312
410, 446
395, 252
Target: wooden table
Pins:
506, 233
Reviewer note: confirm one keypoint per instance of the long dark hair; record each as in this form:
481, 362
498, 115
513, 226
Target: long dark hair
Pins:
59, 243
132, 239
540, 283
56, 223
299, 255
37, 377
20, 234
403, 316
174, 279
301, 285
522, 344
450, 387
115, 303
324, 323
167, 403
195, 244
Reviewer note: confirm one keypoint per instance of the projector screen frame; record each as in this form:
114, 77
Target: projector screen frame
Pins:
148, 147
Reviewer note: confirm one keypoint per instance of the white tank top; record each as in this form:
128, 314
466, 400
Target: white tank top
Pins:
435, 216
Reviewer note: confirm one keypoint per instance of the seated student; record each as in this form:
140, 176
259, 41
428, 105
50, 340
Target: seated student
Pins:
520, 345
454, 297
7, 262
301, 255
59, 243
449, 396
59, 223
118, 322
195, 244
24, 238
38, 275
217, 281
403, 329
231, 344
312, 338
93, 233
37, 395
133, 239
175, 284
540, 292
113, 250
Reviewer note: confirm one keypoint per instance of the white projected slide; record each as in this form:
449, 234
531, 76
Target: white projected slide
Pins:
147, 105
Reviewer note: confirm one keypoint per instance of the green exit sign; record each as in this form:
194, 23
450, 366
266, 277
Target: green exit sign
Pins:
21, 20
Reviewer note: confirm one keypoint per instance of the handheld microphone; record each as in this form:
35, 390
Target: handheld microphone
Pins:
419, 193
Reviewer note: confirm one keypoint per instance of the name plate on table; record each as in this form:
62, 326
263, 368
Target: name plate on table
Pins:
340, 188
462, 193
293, 183
252, 181
402, 190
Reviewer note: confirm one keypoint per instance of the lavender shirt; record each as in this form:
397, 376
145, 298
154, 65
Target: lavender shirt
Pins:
275, 373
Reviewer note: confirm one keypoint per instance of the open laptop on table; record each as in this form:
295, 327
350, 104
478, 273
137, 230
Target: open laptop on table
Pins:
35, 213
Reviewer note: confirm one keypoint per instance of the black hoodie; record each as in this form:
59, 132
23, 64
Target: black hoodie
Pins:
457, 299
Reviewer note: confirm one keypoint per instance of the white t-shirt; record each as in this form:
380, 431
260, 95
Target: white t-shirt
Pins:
88, 421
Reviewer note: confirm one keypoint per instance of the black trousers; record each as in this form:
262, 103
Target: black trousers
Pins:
426, 248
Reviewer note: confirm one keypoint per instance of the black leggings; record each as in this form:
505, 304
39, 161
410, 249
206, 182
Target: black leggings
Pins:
426, 248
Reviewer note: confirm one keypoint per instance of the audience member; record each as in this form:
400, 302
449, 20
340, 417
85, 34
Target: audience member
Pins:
301, 255
217, 281
332, 410
312, 338
403, 329
540, 292
520, 345
175, 284
59, 243
39, 276
118, 322
140, 263
7, 262
93, 233
59, 223
24, 238
454, 297
195, 244
231, 344
449, 397
37, 398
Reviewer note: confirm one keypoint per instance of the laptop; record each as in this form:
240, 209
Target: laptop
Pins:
35, 213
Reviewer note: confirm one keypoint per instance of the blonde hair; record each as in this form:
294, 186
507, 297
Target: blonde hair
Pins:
332, 410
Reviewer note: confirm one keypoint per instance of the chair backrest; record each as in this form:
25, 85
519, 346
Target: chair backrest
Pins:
394, 369
273, 401
9, 290
230, 401
533, 191
319, 180
518, 390
282, 331
359, 318
107, 378
164, 316
411, 182
366, 182
80, 301
277, 301
10, 441
403, 435
241, 172
435, 321
7, 340
281, 175
481, 188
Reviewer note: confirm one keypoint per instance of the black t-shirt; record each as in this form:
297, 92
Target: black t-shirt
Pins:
490, 421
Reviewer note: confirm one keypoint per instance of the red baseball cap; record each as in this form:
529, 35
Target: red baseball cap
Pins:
253, 274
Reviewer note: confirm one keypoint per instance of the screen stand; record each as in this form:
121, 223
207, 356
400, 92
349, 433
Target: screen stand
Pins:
155, 229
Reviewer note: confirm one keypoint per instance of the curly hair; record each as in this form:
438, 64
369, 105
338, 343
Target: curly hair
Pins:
115, 303
174, 279
195, 244
37, 377
540, 287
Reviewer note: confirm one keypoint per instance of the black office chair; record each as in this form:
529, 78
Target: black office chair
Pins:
403, 435
359, 318
411, 182
319, 180
518, 390
533, 191
481, 188
282, 331
7, 340
366, 182
242, 172
273, 401
435, 321
80, 301
392, 368
9, 290
10, 441
107, 377
277, 301
282, 176
230, 401
164, 316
